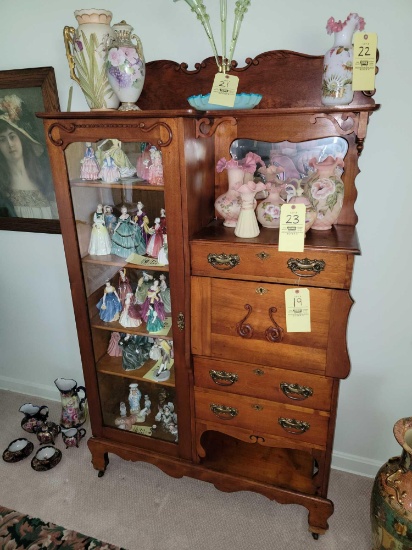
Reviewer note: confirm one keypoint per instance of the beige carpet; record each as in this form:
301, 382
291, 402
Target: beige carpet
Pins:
137, 506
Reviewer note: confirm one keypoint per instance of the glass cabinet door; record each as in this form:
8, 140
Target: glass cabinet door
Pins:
118, 195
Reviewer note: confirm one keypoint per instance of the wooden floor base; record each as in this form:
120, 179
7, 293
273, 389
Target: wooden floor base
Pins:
320, 509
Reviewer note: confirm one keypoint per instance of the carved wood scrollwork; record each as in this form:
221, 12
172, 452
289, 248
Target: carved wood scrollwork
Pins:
347, 125
70, 128
206, 127
273, 333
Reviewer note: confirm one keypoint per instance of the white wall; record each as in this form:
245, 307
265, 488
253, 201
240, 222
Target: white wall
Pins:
37, 333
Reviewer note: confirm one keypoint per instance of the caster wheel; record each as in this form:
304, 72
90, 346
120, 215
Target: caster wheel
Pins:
315, 536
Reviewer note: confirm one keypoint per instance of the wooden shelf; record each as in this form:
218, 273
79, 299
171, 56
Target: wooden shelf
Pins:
127, 183
113, 366
112, 259
115, 326
287, 468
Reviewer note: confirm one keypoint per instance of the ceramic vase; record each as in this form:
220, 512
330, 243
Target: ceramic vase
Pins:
391, 501
338, 61
228, 204
325, 191
301, 198
268, 211
86, 50
126, 66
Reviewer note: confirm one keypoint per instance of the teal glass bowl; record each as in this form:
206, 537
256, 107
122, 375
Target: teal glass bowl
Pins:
242, 101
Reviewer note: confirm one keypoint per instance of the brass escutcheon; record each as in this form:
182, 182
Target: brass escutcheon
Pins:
260, 290
180, 321
263, 255
257, 407
259, 372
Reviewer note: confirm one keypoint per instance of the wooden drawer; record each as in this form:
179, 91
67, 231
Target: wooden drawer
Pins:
235, 320
262, 416
265, 263
290, 387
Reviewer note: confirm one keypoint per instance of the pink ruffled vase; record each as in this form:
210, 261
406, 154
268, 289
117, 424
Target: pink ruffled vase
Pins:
228, 204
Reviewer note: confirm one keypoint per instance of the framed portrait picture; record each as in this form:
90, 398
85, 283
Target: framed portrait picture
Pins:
27, 199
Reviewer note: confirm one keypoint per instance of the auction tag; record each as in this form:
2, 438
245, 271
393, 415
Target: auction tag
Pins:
297, 301
144, 430
292, 227
224, 90
364, 61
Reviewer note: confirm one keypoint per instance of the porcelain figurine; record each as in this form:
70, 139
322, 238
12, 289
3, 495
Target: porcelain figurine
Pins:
163, 220
130, 315
73, 436
109, 172
153, 311
109, 305
123, 410
155, 352
143, 286
73, 412
163, 256
142, 221
168, 418
134, 398
143, 161
47, 433
165, 293
247, 225
147, 404
113, 349
118, 156
89, 167
141, 415
110, 219
123, 286
100, 242
126, 238
34, 416
155, 242
136, 350
156, 167
125, 422
163, 373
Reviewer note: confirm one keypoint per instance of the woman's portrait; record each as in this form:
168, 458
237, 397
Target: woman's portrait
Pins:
26, 187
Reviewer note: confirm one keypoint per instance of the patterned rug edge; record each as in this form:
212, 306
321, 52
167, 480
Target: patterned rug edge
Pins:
20, 531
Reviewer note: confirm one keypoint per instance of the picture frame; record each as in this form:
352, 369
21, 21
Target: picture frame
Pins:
23, 93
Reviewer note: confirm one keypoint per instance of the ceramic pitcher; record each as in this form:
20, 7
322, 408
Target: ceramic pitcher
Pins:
73, 407
86, 50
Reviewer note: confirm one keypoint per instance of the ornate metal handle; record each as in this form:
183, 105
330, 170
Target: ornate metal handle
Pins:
292, 426
223, 412
68, 35
297, 266
223, 378
223, 262
295, 391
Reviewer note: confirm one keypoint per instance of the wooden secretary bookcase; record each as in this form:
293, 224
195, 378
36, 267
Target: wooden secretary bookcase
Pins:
246, 413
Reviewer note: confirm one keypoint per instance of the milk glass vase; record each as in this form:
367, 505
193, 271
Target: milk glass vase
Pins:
338, 61
126, 66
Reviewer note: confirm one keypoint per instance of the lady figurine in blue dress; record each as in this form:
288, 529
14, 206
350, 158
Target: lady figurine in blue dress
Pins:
109, 305
127, 237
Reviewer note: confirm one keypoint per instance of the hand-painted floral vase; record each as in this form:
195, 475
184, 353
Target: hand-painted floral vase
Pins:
268, 210
126, 66
338, 61
301, 198
86, 50
391, 501
228, 204
325, 191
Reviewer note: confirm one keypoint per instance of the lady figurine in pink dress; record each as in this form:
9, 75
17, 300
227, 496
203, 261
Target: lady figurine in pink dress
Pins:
89, 167
156, 240
156, 167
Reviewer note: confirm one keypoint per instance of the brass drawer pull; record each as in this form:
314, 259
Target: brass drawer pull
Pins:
223, 378
223, 412
294, 427
223, 262
297, 266
296, 392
